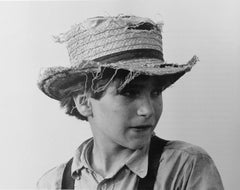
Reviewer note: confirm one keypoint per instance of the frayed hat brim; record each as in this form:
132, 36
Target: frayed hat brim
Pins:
55, 81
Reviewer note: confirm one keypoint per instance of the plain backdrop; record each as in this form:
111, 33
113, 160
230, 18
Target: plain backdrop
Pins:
201, 108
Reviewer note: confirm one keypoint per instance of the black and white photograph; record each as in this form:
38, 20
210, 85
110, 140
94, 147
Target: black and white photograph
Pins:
120, 94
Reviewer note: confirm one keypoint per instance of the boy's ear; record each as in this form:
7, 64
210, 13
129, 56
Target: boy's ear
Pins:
84, 108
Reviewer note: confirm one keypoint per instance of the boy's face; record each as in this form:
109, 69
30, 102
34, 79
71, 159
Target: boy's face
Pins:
127, 118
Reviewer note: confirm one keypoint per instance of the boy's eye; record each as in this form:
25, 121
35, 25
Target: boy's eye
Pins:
156, 92
129, 93
132, 93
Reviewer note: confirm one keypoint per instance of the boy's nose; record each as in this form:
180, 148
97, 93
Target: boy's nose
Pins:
146, 107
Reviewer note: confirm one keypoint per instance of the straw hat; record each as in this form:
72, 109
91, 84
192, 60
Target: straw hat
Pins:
123, 42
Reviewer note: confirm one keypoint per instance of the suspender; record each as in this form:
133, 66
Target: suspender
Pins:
155, 152
67, 180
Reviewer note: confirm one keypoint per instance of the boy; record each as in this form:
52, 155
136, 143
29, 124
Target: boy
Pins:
115, 82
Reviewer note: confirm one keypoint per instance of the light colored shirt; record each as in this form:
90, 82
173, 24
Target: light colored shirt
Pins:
182, 167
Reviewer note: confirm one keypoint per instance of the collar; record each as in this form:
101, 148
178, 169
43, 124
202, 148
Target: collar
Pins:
80, 159
137, 162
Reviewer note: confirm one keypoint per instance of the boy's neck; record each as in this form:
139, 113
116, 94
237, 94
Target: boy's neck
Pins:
107, 158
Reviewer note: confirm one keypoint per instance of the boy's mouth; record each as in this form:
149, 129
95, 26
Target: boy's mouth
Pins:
142, 127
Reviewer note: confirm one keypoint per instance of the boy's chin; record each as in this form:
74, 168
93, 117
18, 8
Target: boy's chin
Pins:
139, 143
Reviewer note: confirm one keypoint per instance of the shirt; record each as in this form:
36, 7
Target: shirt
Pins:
183, 166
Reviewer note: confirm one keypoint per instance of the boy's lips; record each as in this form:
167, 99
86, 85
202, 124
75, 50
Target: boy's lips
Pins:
142, 127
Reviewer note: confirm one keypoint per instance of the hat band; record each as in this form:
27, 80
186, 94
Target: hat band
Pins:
130, 54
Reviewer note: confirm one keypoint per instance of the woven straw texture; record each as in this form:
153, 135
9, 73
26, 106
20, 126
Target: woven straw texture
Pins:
98, 37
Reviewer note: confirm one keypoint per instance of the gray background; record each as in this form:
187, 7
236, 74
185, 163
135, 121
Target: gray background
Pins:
201, 108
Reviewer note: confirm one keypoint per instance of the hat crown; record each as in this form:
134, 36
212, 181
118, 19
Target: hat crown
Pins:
101, 22
123, 42
103, 36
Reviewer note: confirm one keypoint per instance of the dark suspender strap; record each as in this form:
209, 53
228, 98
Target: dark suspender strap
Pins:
67, 180
155, 152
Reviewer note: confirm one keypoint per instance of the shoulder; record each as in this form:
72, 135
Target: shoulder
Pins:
181, 147
52, 179
185, 164
185, 155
